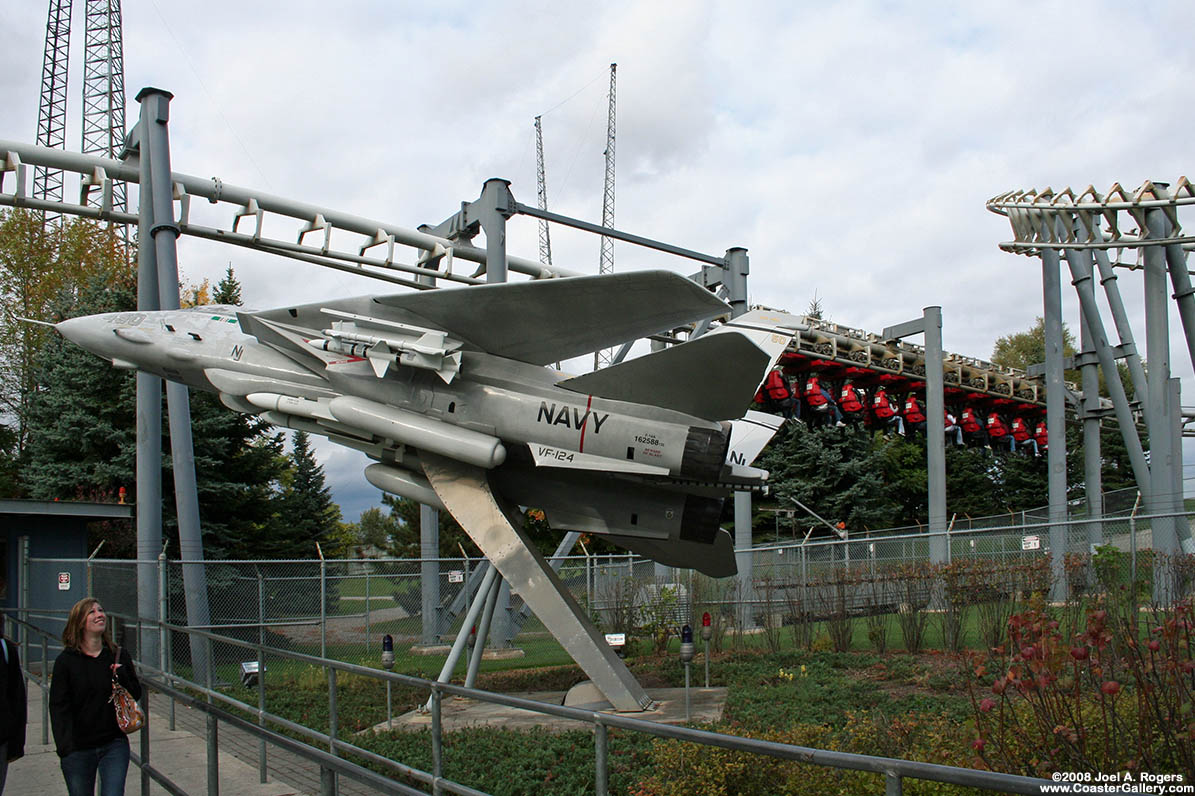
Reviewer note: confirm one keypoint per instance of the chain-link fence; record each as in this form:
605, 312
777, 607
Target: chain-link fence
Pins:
341, 608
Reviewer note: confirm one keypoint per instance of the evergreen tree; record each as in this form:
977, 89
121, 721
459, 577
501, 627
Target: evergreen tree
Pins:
82, 432
239, 465
41, 268
839, 473
307, 512
228, 289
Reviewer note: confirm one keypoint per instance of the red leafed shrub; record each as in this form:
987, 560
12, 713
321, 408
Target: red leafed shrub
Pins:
1117, 696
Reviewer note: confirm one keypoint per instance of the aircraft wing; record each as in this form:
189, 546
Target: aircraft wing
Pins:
550, 320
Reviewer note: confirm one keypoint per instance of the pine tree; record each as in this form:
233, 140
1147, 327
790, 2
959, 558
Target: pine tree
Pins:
228, 289
307, 512
41, 269
839, 473
82, 431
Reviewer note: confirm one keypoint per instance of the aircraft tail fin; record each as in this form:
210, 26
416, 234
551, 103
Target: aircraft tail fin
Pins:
679, 377
750, 434
713, 377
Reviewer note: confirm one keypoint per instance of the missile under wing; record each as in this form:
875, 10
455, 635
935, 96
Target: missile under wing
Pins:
640, 452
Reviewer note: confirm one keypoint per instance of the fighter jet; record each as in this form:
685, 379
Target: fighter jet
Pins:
643, 452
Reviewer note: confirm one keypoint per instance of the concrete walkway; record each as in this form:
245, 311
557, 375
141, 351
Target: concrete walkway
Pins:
180, 754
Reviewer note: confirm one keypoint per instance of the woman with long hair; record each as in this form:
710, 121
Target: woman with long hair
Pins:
88, 739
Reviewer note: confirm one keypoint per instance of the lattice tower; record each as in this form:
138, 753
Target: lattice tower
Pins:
541, 192
51, 112
606, 264
103, 88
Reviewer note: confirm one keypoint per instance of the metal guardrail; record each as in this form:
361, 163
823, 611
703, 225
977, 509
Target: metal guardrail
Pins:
332, 764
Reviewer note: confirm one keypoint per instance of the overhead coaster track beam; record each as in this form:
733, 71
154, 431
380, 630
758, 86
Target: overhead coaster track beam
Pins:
251, 211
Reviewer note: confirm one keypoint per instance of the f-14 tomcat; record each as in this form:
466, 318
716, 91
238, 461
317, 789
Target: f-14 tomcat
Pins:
639, 452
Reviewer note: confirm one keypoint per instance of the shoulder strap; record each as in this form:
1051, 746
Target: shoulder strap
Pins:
4, 646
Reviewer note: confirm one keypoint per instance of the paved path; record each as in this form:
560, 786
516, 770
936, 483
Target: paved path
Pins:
181, 755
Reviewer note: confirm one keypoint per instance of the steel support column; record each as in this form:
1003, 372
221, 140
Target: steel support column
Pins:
429, 574
1055, 420
935, 435
1079, 261
1092, 472
743, 559
1162, 499
149, 440
155, 172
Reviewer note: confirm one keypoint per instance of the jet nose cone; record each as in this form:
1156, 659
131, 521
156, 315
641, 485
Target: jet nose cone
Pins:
90, 331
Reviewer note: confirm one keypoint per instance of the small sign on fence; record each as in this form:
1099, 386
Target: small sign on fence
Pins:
456, 576
616, 639
64, 581
1031, 543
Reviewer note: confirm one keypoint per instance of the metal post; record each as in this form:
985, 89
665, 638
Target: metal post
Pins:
1120, 318
368, 634
437, 740
23, 543
213, 754
601, 760
323, 606
149, 419
145, 764
744, 558
45, 702
734, 279
162, 616
1055, 420
458, 645
1092, 474
1081, 276
688, 698
495, 206
213, 741
164, 231
333, 719
935, 434
892, 784
483, 632
429, 574
261, 672
1161, 460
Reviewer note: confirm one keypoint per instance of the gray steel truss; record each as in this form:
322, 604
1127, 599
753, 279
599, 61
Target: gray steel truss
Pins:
1084, 227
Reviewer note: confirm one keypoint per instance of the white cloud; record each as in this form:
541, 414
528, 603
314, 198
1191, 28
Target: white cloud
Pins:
849, 146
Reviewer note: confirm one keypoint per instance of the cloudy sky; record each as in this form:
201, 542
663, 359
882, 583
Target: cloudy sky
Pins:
850, 147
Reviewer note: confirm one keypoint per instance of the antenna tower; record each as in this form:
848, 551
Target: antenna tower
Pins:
606, 265
541, 192
103, 91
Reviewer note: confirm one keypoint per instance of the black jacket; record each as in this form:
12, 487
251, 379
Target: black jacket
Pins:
80, 713
13, 709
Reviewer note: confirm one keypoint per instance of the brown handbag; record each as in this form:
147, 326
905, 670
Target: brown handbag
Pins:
129, 716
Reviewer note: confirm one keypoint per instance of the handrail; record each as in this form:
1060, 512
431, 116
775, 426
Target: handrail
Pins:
893, 769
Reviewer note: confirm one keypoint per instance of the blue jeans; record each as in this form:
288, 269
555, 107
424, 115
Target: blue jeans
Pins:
111, 761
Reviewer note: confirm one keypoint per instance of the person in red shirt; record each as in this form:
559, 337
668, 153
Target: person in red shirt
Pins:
776, 394
952, 427
820, 400
851, 400
885, 412
973, 431
1022, 437
998, 431
914, 415
1041, 436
